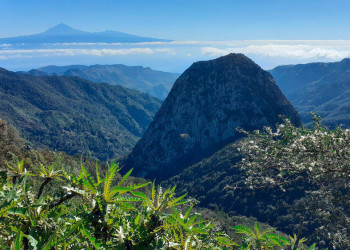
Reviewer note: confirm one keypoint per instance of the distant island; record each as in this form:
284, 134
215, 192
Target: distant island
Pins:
63, 33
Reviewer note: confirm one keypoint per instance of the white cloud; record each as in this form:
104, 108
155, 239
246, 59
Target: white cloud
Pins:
302, 51
212, 51
276, 50
76, 52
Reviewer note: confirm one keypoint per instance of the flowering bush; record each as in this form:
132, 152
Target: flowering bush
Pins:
316, 155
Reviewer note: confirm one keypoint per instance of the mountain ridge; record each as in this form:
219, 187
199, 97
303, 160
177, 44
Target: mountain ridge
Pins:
322, 88
74, 115
63, 29
153, 82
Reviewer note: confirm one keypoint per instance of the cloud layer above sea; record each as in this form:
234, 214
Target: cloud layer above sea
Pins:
268, 53
27, 53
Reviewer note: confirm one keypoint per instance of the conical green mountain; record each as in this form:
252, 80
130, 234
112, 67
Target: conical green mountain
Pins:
202, 111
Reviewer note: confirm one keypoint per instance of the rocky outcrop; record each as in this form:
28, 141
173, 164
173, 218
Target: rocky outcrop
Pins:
201, 113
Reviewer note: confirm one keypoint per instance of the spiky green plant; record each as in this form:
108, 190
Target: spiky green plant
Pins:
86, 212
257, 239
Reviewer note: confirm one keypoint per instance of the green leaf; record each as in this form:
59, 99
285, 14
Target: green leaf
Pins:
18, 240
98, 175
109, 178
153, 193
242, 229
141, 195
175, 201
90, 183
91, 239
125, 177
313, 246
137, 219
187, 214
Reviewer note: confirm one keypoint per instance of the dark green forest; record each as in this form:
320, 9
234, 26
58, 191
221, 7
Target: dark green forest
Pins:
74, 115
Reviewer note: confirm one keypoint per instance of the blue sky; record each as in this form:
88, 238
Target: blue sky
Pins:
184, 19
271, 32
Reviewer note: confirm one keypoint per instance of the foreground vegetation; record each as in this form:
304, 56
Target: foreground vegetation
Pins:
97, 212
293, 178
56, 206
318, 156
47, 206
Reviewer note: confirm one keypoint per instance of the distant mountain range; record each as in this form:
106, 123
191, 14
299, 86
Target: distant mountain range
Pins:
202, 111
63, 33
155, 83
323, 88
74, 115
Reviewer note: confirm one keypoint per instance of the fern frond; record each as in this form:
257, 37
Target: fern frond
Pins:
90, 181
109, 178
243, 229
177, 200
91, 239
98, 175
125, 177
153, 192
19, 237
278, 240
